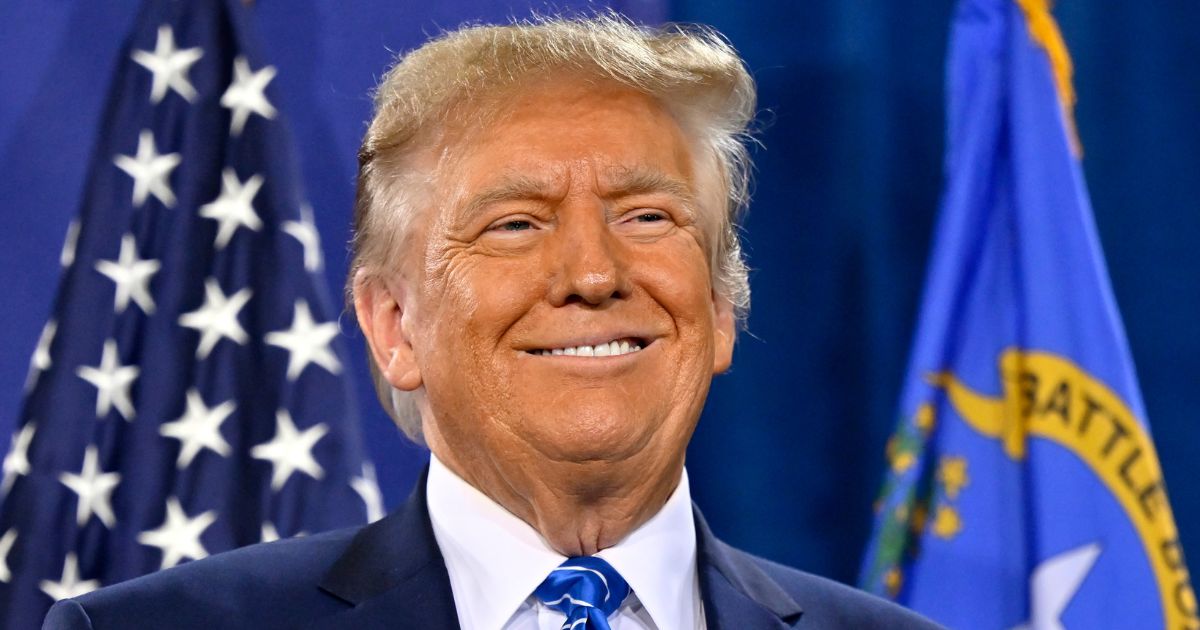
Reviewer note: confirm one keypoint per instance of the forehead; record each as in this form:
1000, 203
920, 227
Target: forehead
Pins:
563, 129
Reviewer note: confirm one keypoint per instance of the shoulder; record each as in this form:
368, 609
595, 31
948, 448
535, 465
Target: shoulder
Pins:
263, 586
800, 600
831, 604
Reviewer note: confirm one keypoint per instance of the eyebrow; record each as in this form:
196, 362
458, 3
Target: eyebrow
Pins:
623, 182
512, 188
640, 181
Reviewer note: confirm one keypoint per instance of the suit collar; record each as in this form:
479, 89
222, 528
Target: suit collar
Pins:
736, 592
392, 573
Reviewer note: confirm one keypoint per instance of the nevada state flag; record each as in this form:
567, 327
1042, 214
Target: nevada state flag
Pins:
1024, 489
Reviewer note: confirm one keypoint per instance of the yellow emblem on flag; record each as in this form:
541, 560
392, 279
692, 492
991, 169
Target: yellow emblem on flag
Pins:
1050, 397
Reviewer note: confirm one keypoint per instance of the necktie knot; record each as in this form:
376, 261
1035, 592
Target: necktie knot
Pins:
586, 589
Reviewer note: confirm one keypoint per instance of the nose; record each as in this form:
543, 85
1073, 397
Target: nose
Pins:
587, 260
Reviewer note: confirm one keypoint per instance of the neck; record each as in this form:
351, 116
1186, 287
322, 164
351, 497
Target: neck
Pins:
579, 508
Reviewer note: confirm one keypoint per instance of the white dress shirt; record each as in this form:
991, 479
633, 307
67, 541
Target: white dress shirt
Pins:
496, 560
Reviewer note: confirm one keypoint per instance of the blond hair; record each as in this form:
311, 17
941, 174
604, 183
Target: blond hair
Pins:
691, 70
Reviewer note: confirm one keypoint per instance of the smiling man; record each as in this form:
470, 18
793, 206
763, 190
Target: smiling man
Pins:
547, 274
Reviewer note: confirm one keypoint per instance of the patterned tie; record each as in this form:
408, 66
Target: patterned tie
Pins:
586, 589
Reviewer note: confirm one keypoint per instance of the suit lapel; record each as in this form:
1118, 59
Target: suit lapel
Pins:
736, 592
393, 574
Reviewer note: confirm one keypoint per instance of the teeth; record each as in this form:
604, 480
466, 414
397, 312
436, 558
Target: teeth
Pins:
610, 349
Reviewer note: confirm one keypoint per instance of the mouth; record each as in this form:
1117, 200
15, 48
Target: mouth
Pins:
611, 348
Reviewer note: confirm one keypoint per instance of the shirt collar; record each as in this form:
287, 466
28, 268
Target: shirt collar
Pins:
496, 560
658, 560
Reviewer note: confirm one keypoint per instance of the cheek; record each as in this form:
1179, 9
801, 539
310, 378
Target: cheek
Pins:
677, 278
476, 300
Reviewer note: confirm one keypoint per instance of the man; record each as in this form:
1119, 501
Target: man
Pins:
547, 274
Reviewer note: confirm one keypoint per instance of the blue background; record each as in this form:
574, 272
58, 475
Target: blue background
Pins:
789, 455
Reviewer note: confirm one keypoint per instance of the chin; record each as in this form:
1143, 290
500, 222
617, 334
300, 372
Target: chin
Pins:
590, 432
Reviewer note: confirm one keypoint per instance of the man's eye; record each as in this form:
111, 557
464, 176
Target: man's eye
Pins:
516, 225
649, 217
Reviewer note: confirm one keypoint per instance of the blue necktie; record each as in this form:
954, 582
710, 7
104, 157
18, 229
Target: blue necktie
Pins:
586, 589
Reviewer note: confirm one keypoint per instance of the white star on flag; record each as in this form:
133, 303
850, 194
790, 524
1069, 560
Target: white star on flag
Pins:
305, 232
217, 317
246, 94
67, 256
16, 462
169, 65
132, 276
233, 208
112, 381
290, 450
367, 487
1054, 584
179, 536
199, 427
94, 488
150, 170
40, 361
6, 545
306, 342
69, 585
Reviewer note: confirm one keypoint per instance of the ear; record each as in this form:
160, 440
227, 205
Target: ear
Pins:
724, 333
381, 316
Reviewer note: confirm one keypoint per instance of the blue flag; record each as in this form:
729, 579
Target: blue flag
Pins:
1024, 490
188, 394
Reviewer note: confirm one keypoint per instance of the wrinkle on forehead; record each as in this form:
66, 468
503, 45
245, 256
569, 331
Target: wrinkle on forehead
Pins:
611, 183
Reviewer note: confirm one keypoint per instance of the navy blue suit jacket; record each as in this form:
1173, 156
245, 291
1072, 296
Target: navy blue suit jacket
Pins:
390, 574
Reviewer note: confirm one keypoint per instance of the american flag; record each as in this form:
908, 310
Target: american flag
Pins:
188, 393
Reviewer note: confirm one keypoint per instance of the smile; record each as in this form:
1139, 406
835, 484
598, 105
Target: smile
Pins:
614, 348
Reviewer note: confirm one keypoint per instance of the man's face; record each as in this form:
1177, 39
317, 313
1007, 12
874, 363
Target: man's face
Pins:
561, 308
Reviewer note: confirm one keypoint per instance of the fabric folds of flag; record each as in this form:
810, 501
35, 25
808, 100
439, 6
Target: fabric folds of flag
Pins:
1024, 490
187, 395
